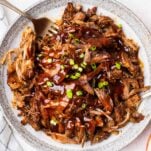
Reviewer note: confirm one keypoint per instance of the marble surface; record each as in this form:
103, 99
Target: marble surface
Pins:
142, 9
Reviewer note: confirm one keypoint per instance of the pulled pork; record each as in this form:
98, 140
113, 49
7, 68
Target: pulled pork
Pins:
80, 84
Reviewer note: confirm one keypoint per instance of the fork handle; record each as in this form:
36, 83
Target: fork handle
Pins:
12, 7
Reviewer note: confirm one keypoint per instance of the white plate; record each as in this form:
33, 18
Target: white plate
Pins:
133, 28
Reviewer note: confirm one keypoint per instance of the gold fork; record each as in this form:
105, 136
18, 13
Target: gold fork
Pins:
41, 25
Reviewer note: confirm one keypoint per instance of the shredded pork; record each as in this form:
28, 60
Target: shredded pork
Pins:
81, 84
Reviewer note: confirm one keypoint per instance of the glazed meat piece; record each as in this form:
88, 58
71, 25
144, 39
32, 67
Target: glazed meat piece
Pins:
69, 12
100, 42
126, 62
105, 99
79, 16
100, 57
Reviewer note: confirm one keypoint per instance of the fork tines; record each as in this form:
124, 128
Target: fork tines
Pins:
53, 29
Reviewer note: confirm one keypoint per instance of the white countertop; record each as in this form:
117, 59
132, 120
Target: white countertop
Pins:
142, 8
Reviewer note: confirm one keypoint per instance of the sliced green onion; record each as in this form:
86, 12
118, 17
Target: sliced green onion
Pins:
75, 66
83, 64
71, 35
79, 93
119, 25
81, 55
83, 106
49, 60
62, 67
53, 122
93, 48
93, 66
77, 41
71, 62
49, 84
80, 69
103, 84
75, 76
118, 65
69, 93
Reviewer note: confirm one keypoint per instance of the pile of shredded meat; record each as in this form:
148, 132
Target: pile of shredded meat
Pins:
81, 84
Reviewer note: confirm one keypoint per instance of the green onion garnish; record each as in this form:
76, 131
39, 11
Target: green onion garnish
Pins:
62, 67
75, 76
103, 84
118, 65
119, 25
75, 66
79, 93
49, 60
83, 64
49, 84
81, 55
71, 35
77, 41
69, 93
93, 66
93, 48
71, 62
80, 69
53, 122
83, 106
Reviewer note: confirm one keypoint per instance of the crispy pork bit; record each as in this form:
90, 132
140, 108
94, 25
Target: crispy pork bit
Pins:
105, 99
119, 113
87, 57
79, 16
101, 42
133, 101
129, 85
83, 81
69, 12
126, 62
91, 11
105, 21
130, 43
82, 84
100, 136
101, 57
136, 117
